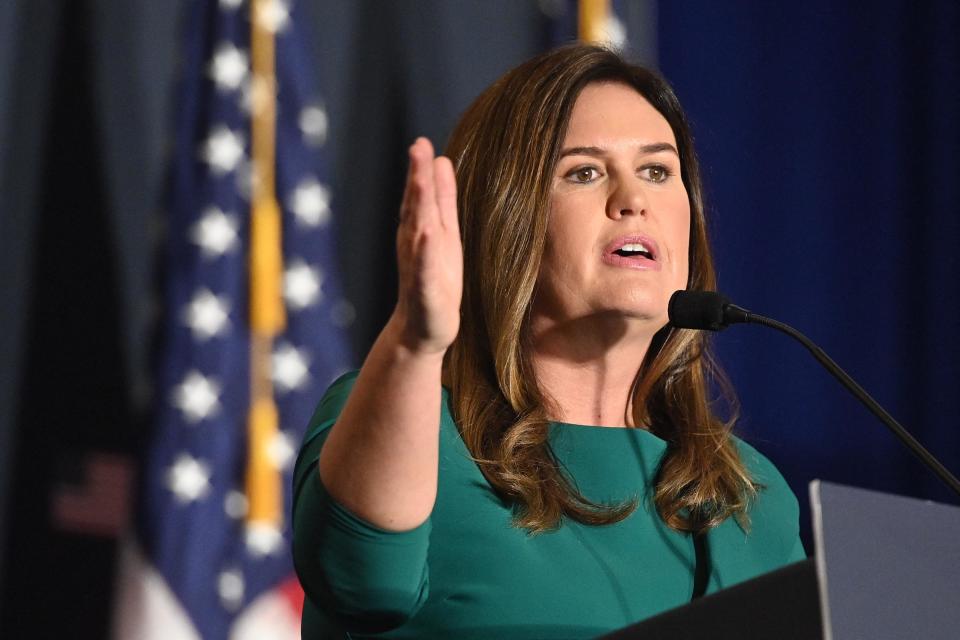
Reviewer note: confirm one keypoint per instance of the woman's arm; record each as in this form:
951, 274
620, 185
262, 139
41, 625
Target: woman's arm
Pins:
381, 457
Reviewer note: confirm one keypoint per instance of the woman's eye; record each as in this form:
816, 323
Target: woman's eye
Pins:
583, 174
656, 173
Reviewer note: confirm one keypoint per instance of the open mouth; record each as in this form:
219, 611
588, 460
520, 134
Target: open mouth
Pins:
634, 249
634, 252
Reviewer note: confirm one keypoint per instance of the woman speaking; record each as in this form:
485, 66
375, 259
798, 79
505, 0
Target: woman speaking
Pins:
529, 451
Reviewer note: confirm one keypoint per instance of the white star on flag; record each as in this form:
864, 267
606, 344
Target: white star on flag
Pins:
281, 451
215, 233
207, 315
230, 588
301, 284
223, 150
188, 478
235, 504
229, 67
291, 368
263, 539
313, 124
273, 15
310, 202
197, 397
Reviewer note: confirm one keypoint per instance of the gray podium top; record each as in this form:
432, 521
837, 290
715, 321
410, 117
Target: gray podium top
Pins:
888, 566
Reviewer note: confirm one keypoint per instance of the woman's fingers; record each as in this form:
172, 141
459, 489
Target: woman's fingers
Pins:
419, 197
429, 255
446, 192
430, 183
405, 204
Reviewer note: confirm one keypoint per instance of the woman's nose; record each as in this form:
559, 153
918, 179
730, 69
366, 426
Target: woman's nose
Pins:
628, 198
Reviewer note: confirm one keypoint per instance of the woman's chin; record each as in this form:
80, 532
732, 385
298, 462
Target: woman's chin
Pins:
646, 308
644, 318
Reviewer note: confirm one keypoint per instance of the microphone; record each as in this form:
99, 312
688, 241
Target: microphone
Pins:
704, 310
712, 311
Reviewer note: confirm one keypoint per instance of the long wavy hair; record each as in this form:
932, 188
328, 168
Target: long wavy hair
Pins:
505, 149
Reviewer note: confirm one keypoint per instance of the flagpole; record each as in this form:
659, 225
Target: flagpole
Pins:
592, 18
267, 315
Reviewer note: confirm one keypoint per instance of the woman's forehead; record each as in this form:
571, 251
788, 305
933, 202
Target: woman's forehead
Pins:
614, 114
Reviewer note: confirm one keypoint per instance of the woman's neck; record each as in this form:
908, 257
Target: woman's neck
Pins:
588, 368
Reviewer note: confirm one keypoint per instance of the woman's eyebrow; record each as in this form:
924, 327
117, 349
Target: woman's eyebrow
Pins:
655, 147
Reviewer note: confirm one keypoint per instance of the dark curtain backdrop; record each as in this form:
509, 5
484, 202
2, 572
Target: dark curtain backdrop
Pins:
828, 136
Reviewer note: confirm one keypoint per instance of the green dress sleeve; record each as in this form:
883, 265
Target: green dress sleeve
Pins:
356, 575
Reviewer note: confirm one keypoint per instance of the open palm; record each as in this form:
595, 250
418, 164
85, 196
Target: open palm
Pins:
429, 254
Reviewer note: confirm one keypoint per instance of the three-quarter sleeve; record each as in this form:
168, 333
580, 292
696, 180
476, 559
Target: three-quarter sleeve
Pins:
366, 578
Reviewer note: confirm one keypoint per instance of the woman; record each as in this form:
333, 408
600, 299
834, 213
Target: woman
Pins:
452, 488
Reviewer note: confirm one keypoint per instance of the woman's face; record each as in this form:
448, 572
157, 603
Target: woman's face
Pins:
619, 225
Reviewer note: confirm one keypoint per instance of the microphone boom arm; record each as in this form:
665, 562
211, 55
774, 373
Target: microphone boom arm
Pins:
859, 392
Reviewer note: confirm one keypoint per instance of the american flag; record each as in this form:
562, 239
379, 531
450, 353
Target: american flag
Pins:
212, 557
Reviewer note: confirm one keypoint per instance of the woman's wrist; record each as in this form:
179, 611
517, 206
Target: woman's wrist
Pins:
405, 342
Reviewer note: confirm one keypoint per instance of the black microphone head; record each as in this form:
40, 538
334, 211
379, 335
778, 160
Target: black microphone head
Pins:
698, 310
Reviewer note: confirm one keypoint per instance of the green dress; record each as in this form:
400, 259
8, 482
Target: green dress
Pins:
467, 573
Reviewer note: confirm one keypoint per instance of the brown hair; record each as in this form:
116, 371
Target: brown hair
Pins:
504, 150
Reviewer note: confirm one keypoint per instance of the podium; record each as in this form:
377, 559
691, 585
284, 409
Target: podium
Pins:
885, 567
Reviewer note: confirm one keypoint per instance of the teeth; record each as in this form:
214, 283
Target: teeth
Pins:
635, 247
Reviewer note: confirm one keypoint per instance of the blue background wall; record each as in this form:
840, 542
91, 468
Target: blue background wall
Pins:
829, 136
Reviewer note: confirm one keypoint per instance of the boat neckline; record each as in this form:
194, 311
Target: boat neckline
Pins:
594, 427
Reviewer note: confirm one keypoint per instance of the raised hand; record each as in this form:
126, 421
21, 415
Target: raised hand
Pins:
429, 255
381, 458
